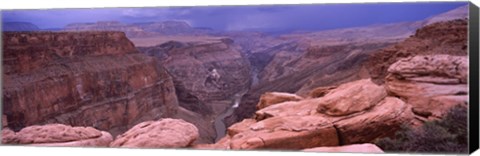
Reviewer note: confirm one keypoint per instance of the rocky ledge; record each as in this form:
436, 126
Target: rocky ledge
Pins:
57, 135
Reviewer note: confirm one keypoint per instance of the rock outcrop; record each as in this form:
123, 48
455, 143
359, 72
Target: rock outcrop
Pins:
355, 148
364, 113
351, 98
7, 136
164, 133
57, 135
432, 84
95, 79
449, 37
287, 132
271, 98
356, 121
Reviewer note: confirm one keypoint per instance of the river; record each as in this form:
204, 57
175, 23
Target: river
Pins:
219, 124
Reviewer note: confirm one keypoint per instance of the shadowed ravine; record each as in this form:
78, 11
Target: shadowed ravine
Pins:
219, 124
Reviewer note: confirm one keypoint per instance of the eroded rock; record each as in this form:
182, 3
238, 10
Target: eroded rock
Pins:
96, 79
240, 127
351, 97
8, 136
164, 133
381, 121
321, 91
430, 83
287, 133
59, 135
271, 98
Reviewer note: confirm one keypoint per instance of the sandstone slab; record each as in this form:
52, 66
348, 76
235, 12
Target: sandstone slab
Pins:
351, 97
271, 98
240, 127
381, 121
287, 133
432, 84
164, 133
59, 135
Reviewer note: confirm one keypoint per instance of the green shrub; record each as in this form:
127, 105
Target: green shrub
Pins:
448, 135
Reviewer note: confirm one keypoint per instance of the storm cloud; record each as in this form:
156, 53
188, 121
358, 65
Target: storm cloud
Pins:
261, 17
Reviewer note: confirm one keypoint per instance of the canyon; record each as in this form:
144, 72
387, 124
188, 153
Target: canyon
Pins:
111, 84
96, 79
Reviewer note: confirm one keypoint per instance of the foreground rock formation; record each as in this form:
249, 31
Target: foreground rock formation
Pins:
314, 122
57, 135
95, 79
164, 133
448, 37
432, 84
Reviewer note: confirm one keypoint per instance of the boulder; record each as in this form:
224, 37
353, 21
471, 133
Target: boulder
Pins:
164, 133
354, 148
60, 135
102, 141
7, 136
437, 69
287, 133
382, 120
271, 98
432, 84
351, 97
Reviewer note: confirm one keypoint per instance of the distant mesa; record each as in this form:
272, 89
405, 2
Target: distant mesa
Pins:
19, 26
147, 29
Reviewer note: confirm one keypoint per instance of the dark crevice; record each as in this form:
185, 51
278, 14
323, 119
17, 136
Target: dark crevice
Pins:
339, 135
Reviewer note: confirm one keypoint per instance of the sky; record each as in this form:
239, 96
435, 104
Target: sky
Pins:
300, 17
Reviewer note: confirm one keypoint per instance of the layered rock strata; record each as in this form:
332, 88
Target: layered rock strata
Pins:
95, 79
432, 84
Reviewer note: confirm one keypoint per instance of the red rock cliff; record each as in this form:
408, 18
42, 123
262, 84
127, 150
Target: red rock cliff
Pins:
95, 79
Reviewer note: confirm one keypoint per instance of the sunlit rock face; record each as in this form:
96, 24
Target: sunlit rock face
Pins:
449, 37
57, 135
95, 79
164, 133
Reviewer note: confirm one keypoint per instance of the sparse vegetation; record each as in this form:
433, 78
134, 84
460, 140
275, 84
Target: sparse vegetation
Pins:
449, 135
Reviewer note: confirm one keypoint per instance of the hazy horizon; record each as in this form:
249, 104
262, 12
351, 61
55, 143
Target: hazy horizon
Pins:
302, 17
